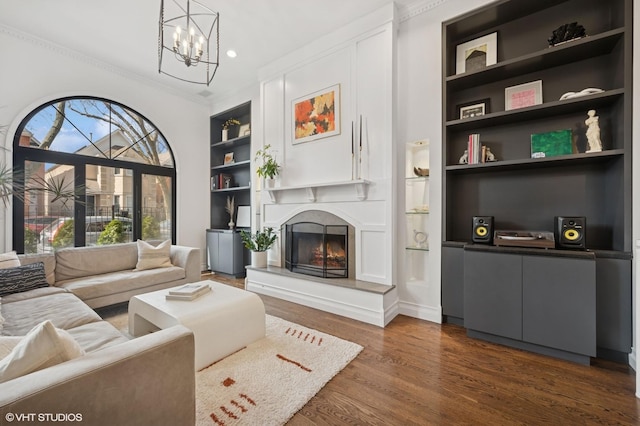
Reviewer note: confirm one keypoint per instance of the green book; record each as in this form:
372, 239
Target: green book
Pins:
550, 144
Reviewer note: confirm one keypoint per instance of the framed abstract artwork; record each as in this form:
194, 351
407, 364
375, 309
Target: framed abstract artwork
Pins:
523, 95
477, 54
316, 115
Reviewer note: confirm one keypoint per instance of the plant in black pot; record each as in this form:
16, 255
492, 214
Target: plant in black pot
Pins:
259, 243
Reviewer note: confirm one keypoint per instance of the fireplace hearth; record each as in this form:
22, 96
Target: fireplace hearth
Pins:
317, 250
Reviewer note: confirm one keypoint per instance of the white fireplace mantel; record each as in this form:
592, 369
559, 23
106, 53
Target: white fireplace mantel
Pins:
360, 186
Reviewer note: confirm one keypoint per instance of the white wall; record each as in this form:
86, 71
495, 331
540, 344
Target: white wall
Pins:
35, 72
419, 117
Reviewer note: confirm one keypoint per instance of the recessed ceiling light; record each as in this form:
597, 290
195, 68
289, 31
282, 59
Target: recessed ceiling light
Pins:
231, 53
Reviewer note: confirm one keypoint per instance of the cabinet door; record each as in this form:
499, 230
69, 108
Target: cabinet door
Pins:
226, 255
213, 239
559, 303
493, 293
614, 313
453, 281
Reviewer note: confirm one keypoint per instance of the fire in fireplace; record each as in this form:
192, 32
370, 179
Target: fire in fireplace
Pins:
317, 250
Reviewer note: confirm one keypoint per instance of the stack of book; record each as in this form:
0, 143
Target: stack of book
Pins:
222, 181
476, 152
188, 291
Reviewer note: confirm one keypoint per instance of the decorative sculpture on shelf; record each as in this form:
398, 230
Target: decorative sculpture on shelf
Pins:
419, 171
566, 33
465, 158
489, 155
593, 132
420, 238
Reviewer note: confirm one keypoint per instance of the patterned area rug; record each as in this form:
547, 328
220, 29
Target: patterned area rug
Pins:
270, 380
267, 382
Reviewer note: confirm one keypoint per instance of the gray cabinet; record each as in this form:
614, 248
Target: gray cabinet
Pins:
613, 318
453, 292
493, 293
559, 303
225, 252
547, 302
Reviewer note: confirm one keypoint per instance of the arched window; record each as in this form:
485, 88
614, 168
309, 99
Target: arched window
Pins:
90, 171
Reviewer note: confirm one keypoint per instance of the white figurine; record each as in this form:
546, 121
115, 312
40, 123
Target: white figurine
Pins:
489, 155
593, 132
465, 158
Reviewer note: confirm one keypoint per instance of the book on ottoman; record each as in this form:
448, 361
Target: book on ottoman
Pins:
188, 291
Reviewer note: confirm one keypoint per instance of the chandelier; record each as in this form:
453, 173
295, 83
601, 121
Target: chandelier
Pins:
192, 35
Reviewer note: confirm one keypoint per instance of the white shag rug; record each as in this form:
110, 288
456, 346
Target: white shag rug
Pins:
267, 382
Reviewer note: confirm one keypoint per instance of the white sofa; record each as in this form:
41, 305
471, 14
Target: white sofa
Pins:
146, 380
105, 275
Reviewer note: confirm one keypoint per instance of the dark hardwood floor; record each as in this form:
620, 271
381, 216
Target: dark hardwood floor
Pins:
415, 372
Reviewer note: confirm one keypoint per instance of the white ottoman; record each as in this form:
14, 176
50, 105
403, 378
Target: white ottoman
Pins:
223, 321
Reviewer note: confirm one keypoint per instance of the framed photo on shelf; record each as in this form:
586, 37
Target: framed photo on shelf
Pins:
473, 109
245, 130
477, 54
228, 158
523, 95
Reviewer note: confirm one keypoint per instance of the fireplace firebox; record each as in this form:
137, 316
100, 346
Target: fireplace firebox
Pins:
317, 250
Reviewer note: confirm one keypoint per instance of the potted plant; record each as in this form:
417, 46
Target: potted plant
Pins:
259, 243
269, 168
226, 125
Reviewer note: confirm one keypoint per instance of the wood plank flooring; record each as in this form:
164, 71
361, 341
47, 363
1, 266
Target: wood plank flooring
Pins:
415, 372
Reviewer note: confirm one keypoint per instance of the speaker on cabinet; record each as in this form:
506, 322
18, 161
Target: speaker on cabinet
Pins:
571, 232
482, 229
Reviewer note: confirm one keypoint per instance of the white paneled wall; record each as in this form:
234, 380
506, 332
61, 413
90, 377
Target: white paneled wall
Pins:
363, 68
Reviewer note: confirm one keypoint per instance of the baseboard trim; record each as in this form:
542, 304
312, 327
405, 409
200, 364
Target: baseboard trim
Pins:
428, 313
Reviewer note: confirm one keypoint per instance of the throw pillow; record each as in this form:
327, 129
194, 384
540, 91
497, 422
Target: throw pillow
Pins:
1, 317
9, 260
22, 278
7, 343
150, 257
44, 346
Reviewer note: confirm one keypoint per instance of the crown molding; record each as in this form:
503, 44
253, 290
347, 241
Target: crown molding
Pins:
418, 8
105, 66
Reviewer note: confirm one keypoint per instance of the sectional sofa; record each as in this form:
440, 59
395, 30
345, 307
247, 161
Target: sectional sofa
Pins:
113, 379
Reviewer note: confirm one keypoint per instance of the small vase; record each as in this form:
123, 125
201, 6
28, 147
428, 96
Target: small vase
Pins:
259, 259
231, 225
225, 134
269, 182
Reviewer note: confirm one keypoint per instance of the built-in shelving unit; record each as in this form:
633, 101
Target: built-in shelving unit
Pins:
239, 170
525, 193
230, 178
416, 217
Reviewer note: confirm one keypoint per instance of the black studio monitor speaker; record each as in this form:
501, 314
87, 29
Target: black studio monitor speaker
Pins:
482, 229
571, 232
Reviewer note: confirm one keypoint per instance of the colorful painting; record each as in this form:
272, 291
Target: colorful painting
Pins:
316, 115
550, 144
